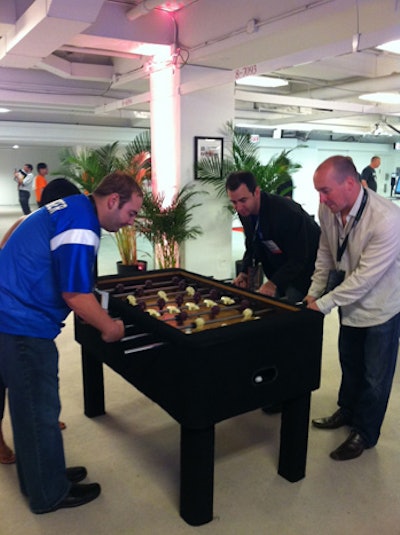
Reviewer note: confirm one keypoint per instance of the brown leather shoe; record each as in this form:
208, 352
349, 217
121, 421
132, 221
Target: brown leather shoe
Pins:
331, 422
351, 448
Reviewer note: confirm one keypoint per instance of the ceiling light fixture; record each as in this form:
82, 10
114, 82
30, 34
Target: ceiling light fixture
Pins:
4, 110
391, 46
141, 114
150, 49
262, 81
383, 98
172, 6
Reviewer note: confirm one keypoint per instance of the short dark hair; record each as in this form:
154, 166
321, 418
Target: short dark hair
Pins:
58, 188
29, 166
41, 166
118, 182
237, 178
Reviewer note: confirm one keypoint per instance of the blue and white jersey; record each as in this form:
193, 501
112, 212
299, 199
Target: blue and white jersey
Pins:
52, 251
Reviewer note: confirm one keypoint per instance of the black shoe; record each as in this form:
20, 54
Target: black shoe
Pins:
79, 494
76, 473
351, 448
331, 422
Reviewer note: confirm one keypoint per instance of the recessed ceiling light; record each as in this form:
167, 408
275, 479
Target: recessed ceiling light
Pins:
4, 110
391, 46
384, 98
262, 81
15, 146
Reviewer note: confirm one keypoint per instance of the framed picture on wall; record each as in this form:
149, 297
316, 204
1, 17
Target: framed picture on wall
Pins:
208, 148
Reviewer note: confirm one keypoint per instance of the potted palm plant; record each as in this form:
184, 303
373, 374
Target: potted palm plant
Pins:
88, 166
167, 227
138, 165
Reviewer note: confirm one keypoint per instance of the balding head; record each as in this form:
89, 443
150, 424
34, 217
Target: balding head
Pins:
336, 180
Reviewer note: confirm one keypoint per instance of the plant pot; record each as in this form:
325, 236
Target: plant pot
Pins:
127, 270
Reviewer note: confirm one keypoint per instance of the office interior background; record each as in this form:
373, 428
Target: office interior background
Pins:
84, 74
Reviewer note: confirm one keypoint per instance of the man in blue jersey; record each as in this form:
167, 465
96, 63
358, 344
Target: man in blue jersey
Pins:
47, 270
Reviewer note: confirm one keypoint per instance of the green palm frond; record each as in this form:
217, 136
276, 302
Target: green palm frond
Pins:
88, 166
108, 157
141, 144
159, 223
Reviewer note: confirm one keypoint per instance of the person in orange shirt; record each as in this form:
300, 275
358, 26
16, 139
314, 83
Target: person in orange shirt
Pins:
40, 181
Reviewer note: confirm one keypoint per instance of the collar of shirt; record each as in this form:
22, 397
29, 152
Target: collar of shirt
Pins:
353, 212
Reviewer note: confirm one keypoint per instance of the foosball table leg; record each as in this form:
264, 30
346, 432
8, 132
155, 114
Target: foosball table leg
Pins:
93, 385
197, 475
294, 438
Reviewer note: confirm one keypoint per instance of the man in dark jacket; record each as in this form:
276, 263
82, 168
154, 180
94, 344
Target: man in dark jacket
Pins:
279, 234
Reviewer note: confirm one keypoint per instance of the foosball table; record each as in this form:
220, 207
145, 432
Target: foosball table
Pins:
206, 351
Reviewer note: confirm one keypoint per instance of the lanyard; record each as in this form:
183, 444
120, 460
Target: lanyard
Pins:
342, 248
253, 242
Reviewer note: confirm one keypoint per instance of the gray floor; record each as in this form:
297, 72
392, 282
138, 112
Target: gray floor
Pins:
133, 452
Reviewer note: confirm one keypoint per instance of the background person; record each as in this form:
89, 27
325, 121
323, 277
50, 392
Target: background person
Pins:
40, 181
47, 268
359, 248
368, 175
279, 234
24, 179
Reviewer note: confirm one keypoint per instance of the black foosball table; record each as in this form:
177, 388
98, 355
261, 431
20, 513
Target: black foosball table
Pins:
206, 351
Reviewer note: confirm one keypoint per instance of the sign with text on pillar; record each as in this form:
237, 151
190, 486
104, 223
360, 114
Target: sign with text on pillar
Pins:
244, 72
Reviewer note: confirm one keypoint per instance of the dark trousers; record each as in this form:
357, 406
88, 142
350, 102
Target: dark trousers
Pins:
29, 368
24, 201
368, 359
2, 398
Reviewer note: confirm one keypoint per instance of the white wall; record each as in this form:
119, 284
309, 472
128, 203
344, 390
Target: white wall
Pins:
204, 113
43, 143
11, 159
315, 152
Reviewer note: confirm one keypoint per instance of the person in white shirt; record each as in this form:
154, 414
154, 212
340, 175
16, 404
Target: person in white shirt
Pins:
358, 270
24, 178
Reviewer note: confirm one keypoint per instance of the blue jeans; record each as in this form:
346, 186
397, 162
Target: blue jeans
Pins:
368, 359
29, 368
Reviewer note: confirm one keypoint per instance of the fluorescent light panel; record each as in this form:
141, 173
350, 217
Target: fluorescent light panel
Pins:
391, 46
262, 81
384, 98
151, 49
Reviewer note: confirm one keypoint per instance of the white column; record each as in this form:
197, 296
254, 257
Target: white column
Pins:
165, 131
205, 113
